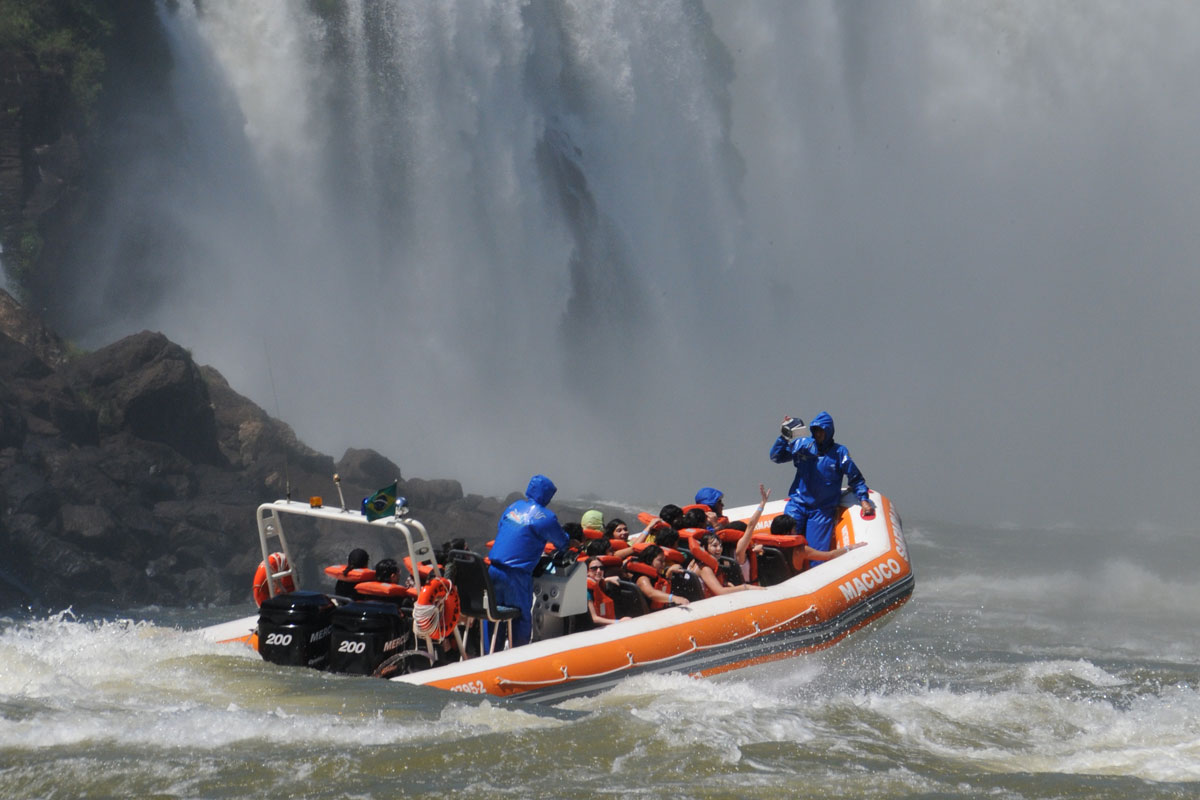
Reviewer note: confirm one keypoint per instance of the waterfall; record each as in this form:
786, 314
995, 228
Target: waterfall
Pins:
615, 241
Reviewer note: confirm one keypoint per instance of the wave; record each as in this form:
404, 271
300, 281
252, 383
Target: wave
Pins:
883, 715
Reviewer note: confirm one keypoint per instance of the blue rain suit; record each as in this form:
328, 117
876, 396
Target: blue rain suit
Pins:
816, 490
521, 537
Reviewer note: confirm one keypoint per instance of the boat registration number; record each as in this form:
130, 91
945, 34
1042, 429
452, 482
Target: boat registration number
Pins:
470, 687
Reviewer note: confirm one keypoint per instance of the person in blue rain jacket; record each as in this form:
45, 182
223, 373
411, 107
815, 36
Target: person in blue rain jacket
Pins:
820, 463
521, 537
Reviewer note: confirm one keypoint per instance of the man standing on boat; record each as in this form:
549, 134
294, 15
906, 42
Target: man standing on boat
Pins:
521, 537
816, 490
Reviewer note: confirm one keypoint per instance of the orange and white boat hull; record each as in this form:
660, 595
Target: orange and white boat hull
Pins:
808, 612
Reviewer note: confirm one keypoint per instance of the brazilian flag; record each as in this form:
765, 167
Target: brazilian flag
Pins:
381, 504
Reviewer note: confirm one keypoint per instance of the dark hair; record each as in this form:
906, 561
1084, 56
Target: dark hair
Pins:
782, 525
737, 525
358, 559
667, 538
387, 569
597, 547
669, 513
696, 518
573, 530
443, 554
611, 526
705, 539
649, 553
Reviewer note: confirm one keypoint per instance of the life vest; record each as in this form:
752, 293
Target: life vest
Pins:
279, 563
390, 591
437, 610
592, 533
692, 535
794, 543
673, 556
604, 604
426, 569
339, 572
660, 582
705, 559
721, 521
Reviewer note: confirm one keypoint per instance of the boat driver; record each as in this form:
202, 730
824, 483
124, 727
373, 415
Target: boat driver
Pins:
521, 537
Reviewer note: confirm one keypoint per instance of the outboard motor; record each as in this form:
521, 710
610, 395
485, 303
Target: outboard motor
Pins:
364, 635
293, 629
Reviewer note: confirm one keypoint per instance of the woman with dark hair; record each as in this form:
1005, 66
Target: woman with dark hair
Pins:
653, 577
742, 552
616, 529
706, 552
600, 605
358, 559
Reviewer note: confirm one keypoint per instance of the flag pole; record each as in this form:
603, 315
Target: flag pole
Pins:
337, 481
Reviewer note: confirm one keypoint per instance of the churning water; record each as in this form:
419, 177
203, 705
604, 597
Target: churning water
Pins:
1029, 664
641, 232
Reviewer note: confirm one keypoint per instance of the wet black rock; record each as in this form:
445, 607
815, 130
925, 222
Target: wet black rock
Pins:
130, 476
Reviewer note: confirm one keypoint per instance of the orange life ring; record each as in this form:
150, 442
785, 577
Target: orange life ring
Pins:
279, 563
436, 612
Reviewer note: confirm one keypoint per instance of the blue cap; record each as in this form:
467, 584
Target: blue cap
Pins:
709, 497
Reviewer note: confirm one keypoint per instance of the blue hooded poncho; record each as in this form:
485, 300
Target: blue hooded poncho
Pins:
526, 526
819, 470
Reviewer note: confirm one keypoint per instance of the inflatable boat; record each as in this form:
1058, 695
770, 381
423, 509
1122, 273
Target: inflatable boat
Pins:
422, 633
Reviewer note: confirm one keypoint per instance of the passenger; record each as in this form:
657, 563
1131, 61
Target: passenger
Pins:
715, 500
670, 514
816, 490
616, 529
443, 554
742, 552
600, 605
358, 559
592, 520
597, 547
521, 537
696, 518
713, 585
387, 571
666, 537
657, 591
783, 525
575, 535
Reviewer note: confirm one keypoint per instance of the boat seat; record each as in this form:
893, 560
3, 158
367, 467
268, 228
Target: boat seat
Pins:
773, 566
731, 570
476, 595
628, 599
687, 584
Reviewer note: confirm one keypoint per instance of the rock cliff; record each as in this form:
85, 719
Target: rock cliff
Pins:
129, 476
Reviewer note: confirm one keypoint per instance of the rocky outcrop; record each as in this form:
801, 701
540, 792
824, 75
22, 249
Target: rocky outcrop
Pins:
129, 476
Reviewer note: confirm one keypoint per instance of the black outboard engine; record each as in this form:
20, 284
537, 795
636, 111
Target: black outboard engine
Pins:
364, 635
293, 629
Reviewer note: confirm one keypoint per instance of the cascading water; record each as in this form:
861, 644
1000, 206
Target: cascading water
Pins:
616, 241
475, 220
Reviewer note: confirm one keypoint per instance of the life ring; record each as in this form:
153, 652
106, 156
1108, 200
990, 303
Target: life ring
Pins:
279, 563
436, 612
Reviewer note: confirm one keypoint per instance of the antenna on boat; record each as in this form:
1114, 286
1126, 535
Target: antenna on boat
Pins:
337, 481
287, 478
